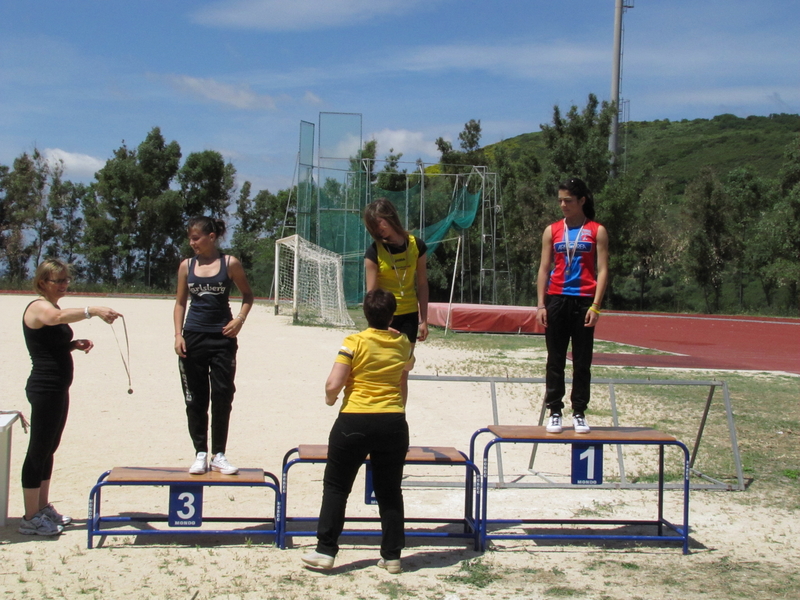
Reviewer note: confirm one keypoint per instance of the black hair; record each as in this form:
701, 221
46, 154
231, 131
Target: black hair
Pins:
208, 225
379, 307
578, 188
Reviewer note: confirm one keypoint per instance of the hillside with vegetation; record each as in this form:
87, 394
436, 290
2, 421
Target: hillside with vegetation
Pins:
703, 215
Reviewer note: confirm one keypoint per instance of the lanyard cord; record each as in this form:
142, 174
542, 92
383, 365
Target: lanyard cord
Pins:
125, 363
571, 257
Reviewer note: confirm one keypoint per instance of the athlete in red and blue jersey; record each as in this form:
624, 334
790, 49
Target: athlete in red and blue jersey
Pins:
571, 282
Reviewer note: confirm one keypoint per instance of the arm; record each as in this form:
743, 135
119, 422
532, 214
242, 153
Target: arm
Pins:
43, 313
602, 276
371, 271
237, 274
422, 296
179, 312
336, 381
543, 276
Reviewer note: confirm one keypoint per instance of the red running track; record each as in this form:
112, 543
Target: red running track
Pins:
695, 341
704, 341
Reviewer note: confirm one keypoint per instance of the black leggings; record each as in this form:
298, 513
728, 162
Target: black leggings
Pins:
48, 418
207, 375
566, 316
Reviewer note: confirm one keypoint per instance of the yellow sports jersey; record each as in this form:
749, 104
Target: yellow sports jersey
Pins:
397, 273
377, 359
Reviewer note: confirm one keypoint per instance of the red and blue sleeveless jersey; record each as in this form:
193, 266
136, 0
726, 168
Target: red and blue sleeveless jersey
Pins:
577, 277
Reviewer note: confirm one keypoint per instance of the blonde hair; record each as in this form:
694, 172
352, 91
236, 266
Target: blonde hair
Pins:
46, 270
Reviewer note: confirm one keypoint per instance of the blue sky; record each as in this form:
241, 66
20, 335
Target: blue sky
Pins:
78, 77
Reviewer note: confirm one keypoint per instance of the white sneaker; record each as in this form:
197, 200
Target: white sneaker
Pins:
580, 424
393, 566
39, 525
318, 560
200, 464
554, 424
51, 513
221, 464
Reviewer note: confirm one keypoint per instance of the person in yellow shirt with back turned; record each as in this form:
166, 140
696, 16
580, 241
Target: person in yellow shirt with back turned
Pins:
372, 421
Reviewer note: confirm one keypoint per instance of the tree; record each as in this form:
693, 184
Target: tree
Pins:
578, 145
747, 196
145, 216
471, 136
207, 184
709, 240
65, 201
391, 178
23, 200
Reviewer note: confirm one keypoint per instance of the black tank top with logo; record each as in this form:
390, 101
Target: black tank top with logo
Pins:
209, 310
51, 357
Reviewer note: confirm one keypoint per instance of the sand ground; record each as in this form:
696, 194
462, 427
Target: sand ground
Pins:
279, 404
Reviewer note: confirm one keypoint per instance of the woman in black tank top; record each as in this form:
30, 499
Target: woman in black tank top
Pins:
48, 337
205, 340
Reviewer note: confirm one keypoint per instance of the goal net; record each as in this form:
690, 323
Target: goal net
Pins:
308, 283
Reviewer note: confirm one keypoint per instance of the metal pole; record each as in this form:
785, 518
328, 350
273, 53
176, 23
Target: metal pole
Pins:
615, 76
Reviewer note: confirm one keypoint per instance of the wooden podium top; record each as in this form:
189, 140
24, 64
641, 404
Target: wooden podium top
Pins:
604, 434
180, 475
432, 454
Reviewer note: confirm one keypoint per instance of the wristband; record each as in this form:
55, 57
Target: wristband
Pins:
240, 317
541, 308
86, 313
594, 310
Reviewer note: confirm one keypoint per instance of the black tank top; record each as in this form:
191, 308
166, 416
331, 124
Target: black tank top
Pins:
49, 347
209, 310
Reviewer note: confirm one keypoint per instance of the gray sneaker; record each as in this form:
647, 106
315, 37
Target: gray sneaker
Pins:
51, 513
39, 525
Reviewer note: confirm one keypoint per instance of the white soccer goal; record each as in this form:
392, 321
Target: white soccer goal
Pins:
308, 283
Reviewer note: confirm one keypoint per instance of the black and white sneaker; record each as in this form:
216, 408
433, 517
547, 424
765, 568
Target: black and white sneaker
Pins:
51, 513
580, 424
554, 424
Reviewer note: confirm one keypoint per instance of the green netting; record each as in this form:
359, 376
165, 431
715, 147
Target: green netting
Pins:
428, 207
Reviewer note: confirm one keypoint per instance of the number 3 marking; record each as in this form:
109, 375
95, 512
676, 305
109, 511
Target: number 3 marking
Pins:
188, 503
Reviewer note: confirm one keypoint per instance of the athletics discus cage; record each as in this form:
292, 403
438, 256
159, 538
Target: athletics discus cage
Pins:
332, 193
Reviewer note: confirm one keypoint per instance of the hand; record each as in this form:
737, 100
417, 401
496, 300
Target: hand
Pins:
541, 316
180, 346
109, 315
233, 328
84, 345
591, 319
422, 333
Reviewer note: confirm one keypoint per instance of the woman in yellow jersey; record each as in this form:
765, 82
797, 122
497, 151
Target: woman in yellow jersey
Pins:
372, 421
396, 262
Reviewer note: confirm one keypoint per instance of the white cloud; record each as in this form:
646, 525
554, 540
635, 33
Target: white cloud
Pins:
313, 99
412, 144
519, 60
76, 165
782, 98
237, 96
301, 15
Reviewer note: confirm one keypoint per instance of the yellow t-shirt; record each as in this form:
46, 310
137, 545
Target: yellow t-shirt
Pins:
397, 273
377, 359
